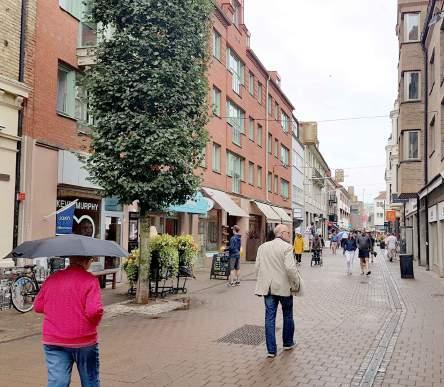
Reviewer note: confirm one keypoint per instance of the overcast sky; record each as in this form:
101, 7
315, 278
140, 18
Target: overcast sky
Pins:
336, 59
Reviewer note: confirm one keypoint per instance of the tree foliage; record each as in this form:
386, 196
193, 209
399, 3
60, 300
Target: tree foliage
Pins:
148, 95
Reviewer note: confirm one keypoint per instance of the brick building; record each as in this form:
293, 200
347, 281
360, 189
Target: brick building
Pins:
16, 17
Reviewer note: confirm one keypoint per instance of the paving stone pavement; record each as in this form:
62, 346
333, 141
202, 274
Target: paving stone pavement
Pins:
341, 323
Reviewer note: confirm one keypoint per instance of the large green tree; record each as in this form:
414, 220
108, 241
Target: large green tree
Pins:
148, 96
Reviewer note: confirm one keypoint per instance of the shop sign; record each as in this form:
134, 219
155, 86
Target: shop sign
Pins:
441, 211
65, 219
390, 216
85, 220
21, 196
433, 214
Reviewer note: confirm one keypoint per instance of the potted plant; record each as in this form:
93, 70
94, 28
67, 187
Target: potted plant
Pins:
164, 249
187, 249
131, 268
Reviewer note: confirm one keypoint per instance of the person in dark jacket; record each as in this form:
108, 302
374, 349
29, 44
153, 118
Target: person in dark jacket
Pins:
234, 254
316, 248
350, 251
364, 246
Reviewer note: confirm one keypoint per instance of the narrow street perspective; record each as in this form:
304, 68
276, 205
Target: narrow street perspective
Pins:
221, 193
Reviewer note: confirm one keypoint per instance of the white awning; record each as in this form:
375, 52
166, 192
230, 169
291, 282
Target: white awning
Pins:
225, 202
283, 216
267, 211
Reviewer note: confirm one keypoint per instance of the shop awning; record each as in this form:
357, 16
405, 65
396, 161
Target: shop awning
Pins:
197, 205
225, 202
268, 212
282, 214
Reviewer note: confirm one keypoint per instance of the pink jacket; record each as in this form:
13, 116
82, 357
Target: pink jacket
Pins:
71, 302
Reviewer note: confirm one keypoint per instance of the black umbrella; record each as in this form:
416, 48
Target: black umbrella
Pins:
68, 246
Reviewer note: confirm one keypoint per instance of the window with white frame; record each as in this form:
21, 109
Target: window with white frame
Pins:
412, 86
269, 143
237, 69
285, 122
216, 157
235, 169
236, 118
82, 113
285, 189
411, 144
237, 13
87, 34
251, 83
285, 155
216, 44
411, 27
251, 129
66, 91
276, 148
216, 101
269, 181
259, 135
259, 92
276, 111
276, 182
259, 176
74, 7
270, 105
250, 173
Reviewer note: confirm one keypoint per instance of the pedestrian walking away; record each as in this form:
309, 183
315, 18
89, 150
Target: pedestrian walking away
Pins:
298, 247
391, 244
372, 247
334, 242
234, 254
316, 248
71, 303
364, 246
382, 247
276, 277
350, 251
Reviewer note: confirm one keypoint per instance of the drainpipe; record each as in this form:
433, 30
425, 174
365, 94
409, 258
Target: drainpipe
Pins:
266, 137
21, 78
430, 9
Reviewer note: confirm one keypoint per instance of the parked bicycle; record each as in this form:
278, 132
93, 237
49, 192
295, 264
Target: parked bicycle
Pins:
24, 289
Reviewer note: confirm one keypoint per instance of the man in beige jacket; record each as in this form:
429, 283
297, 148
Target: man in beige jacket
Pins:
276, 275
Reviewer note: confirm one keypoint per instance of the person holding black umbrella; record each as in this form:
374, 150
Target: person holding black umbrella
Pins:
71, 303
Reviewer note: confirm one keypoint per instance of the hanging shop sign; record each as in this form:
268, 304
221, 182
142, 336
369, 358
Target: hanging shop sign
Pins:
390, 216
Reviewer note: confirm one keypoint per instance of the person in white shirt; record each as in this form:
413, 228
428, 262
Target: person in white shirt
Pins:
391, 243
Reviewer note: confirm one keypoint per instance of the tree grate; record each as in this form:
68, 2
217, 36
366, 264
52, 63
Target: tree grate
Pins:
245, 335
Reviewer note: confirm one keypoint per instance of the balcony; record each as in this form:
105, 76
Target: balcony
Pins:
317, 178
86, 56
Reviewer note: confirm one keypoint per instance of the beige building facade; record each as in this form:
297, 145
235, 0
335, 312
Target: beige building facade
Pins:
13, 93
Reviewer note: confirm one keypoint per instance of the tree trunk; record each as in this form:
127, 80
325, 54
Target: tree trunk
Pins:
142, 293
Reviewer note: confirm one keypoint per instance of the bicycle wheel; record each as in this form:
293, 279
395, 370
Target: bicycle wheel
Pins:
23, 292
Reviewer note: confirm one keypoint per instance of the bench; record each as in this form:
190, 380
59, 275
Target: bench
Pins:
102, 274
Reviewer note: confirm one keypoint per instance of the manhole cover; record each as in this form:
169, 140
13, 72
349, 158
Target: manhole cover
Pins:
247, 335
438, 295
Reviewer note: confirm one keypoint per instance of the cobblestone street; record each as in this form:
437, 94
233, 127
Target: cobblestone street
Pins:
350, 330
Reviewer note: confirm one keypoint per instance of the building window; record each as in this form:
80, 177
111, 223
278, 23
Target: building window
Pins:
237, 69
216, 157
284, 189
216, 44
87, 34
236, 118
411, 27
276, 181
276, 148
411, 145
74, 7
66, 91
250, 173
276, 111
203, 162
270, 105
259, 92
269, 143
237, 13
216, 101
432, 136
251, 129
411, 86
269, 181
259, 176
285, 122
82, 106
259, 135
285, 155
432, 70
235, 169
251, 83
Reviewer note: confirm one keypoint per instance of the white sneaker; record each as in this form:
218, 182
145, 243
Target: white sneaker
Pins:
271, 355
289, 348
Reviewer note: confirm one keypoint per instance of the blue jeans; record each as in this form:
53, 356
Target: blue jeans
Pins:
60, 360
271, 307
